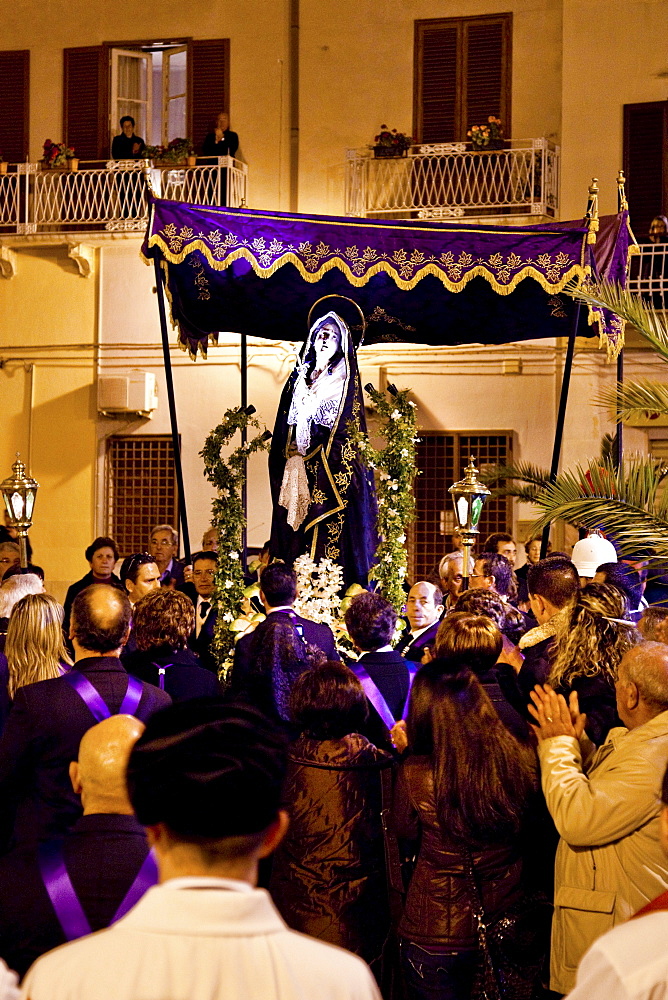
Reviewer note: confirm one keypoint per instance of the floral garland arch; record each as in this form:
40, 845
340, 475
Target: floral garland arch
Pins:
228, 518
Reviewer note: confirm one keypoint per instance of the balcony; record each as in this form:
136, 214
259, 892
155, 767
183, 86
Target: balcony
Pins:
452, 181
110, 196
648, 274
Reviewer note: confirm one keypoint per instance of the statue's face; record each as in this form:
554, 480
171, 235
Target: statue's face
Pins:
327, 342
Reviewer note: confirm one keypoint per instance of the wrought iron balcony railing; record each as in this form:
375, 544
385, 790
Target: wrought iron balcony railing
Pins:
648, 274
451, 180
110, 196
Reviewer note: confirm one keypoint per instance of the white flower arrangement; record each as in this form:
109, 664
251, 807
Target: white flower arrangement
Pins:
318, 589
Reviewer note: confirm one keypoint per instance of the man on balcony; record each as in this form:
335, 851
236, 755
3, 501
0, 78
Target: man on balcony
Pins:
127, 145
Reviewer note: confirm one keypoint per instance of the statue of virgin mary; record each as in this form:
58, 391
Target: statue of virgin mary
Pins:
323, 495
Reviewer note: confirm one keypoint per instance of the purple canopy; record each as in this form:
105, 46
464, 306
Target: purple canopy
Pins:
259, 273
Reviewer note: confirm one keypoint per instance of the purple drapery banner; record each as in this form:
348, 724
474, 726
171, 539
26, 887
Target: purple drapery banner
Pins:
244, 271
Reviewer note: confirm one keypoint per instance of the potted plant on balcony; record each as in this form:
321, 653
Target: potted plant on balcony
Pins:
391, 143
177, 151
59, 156
488, 136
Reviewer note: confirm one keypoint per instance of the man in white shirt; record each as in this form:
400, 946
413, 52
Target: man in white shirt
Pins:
205, 779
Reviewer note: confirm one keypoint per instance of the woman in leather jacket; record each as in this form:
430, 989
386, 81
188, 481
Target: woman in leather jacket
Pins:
328, 876
460, 802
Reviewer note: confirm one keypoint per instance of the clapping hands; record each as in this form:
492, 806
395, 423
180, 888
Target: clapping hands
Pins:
554, 716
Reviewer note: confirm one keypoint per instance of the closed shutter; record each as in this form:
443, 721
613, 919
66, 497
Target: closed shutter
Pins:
462, 75
14, 104
208, 85
86, 101
437, 86
645, 152
487, 65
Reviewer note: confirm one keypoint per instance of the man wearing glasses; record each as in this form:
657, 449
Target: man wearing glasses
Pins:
163, 546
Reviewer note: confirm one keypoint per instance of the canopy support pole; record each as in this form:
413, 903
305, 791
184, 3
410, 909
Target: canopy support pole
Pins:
176, 444
591, 221
619, 443
561, 415
244, 436
622, 206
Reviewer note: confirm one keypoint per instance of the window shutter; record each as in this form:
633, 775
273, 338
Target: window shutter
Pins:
462, 75
14, 104
86, 101
645, 151
486, 89
209, 85
437, 85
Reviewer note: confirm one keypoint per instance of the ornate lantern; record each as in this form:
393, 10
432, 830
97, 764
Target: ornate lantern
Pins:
18, 493
468, 497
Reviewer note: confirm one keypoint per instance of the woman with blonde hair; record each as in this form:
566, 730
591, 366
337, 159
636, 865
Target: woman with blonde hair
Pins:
35, 649
588, 652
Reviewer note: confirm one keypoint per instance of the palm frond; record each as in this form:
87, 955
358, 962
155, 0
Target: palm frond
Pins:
525, 494
650, 323
621, 502
525, 472
639, 400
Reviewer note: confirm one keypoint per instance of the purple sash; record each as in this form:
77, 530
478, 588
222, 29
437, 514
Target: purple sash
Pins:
374, 695
162, 670
93, 699
64, 900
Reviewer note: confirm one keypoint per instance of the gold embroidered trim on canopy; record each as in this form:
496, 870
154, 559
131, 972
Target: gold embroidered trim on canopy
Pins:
406, 267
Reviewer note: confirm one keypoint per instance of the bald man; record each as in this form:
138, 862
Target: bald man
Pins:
49, 718
605, 805
102, 855
424, 608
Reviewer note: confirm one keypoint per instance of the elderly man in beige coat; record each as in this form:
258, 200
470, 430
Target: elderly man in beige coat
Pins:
605, 804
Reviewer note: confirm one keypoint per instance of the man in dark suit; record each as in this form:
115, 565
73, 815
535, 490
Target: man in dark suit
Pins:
201, 637
103, 854
163, 546
49, 718
278, 591
371, 621
424, 609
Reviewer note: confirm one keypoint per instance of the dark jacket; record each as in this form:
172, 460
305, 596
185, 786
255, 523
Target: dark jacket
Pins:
413, 649
184, 675
86, 581
227, 146
102, 854
42, 736
389, 672
202, 644
438, 903
315, 633
597, 699
328, 877
536, 666
495, 682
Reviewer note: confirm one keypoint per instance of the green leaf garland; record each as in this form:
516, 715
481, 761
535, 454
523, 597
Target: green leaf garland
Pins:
395, 472
228, 518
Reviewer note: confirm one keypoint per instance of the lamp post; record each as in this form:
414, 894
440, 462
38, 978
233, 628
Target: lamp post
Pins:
468, 497
18, 493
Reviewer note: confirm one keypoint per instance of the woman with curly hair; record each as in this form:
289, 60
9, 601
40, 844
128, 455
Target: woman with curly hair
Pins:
162, 622
588, 652
461, 802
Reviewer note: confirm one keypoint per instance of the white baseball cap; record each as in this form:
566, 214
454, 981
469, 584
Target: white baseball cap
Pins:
591, 552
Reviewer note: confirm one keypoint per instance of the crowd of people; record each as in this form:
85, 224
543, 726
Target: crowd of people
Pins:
471, 801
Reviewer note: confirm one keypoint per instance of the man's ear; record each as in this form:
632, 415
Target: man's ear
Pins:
632, 695
74, 777
275, 833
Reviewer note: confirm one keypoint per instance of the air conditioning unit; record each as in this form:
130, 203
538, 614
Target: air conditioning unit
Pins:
136, 393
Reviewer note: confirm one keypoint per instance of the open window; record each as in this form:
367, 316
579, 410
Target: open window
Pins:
172, 88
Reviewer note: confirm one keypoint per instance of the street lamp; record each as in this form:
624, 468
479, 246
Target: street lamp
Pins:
18, 493
468, 497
